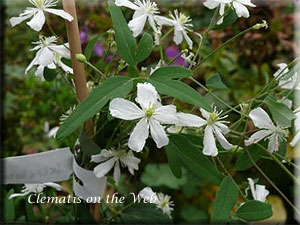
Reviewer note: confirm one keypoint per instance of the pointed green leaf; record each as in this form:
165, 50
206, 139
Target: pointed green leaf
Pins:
280, 112
50, 74
112, 88
226, 198
145, 47
254, 211
87, 146
194, 160
243, 162
173, 160
171, 72
8, 208
215, 82
181, 91
126, 43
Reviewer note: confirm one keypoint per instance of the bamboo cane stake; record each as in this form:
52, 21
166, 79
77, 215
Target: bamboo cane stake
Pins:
78, 68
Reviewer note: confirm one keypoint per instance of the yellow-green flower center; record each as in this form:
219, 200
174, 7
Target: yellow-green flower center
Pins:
149, 112
213, 117
39, 3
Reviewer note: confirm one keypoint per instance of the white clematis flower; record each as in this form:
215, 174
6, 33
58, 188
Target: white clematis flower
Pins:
35, 188
49, 55
259, 192
151, 115
214, 127
285, 83
144, 11
159, 199
37, 14
297, 128
181, 24
238, 5
112, 158
269, 131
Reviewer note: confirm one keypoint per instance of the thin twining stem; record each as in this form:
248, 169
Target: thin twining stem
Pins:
270, 181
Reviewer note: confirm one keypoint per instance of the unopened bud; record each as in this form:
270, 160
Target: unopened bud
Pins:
258, 26
81, 58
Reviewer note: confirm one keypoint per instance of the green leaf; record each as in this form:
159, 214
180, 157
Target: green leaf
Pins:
9, 209
144, 214
87, 146
181, 91
192, 214
254, 211
280, 112
156, 175
229, 19
215, 82
194, 160
243, 162
145, 47
126, 43
171, 72
50, 74
112, 88
90, 47
226, 198
173, 160
29, 212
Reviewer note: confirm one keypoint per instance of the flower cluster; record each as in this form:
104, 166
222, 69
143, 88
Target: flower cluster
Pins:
49, 54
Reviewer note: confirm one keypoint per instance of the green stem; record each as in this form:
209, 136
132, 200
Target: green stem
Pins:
270, 181
227, 172
96, 69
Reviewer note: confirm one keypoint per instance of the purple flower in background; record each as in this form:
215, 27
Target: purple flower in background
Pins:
84, 34
109, 58
171, 52
98, 49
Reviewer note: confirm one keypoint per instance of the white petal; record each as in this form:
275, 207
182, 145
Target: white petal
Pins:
241, 10
252, 188
65, 67
222, 140
61, 50
37, 22
40, 72
117, 172
289, 83
166, 114
205, 114
188, 40
273, 145
54, 185
158, 134
17, 20
137, 14
103, 156
102, 169
222, 127
17, 195
124, 109
147, 95
33, 62
148, 193
283, 69
190, 120
140, 133
46, 57
209, 142
52, 132
152, 24
246, 2
127, 4
60, 13
257, 136
295, 139
261, 193
178, 37
137, 25
131, 162
161, 20
211, 4
261, 119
